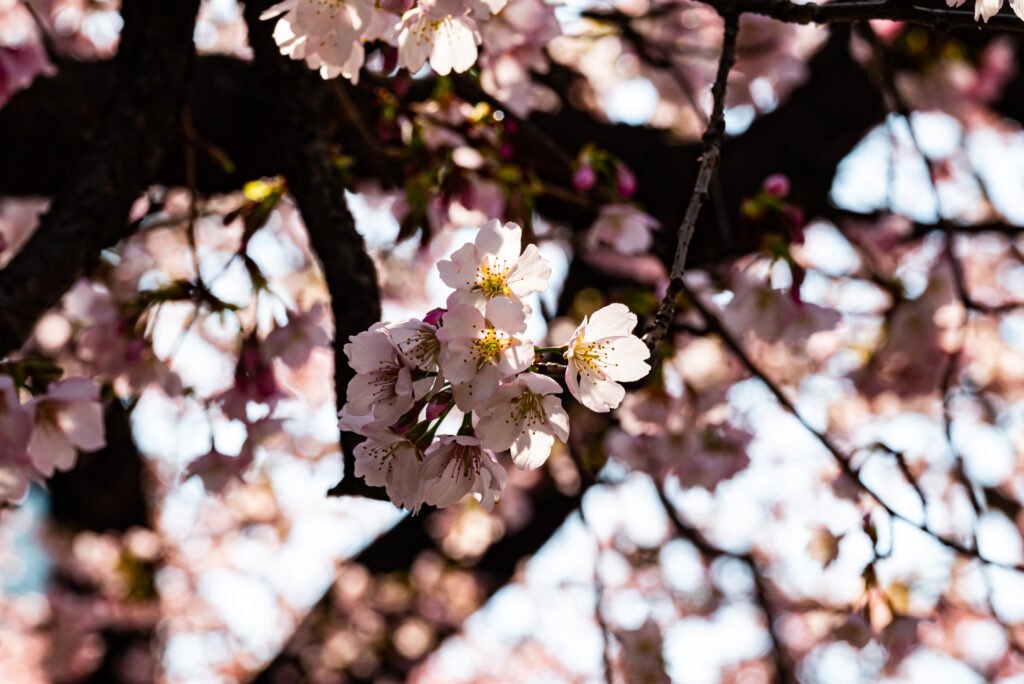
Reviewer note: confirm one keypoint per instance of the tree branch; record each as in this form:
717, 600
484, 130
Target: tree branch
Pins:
90, 212
708, 162
857, 10
319, 190
841, 458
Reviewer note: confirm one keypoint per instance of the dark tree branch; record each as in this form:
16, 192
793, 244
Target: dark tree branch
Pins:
319, 190
90, 211
939, 16
708, 163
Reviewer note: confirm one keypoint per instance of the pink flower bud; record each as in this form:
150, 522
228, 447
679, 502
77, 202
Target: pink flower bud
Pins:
584, 178
135, 349
776, 185
436, 407
434, 317
625, 181
510, 125
396, 6
505, 151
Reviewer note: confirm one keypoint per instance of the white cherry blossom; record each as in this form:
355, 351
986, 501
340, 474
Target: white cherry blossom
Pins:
442, 31
417, 340
387, 459
986, 9
492, 266
483, 348
66, 418
458, 465
326, 33
603, 352
383, 382
524, 416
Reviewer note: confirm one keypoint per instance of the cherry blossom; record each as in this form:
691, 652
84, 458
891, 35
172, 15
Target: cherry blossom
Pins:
514, 41
383, 381
326, 33
603, 352
68, 417
417, 340
15, 428
774, 315
482, 348
986, 9
441, 30
254, 382
492, 266
19, 66
388, 459
216, 469
524, 416
295, 341
623, 227
458, 465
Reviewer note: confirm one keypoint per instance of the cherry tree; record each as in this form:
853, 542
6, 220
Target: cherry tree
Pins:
507, 340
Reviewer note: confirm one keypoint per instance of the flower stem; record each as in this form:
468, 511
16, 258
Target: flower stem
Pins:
550, 350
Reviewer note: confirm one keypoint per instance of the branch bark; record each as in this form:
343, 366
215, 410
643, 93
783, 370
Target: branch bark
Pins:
90, 211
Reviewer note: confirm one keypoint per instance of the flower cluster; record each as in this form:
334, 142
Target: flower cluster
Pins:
474, 356
44, 433
329, 34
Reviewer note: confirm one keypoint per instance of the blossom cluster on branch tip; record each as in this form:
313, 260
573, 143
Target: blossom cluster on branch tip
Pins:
986, 9
474, 356
330, 35
45, 433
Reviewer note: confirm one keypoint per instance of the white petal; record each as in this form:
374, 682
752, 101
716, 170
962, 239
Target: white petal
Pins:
506, 315
531, 449
601, 395
613, 320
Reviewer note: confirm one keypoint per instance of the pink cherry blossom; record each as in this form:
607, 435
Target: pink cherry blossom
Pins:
524, 416
19, 66
514, 43
296, 340
774, 315
216, 470
492, 266
710, 455
254, 382
68, 417
388, 459
623, 227
383, 382
483, 348
603, 352
458, 465
15, 428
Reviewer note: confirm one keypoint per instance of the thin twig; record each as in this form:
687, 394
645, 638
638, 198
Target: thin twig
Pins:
841, 458
708, 162
783, 661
